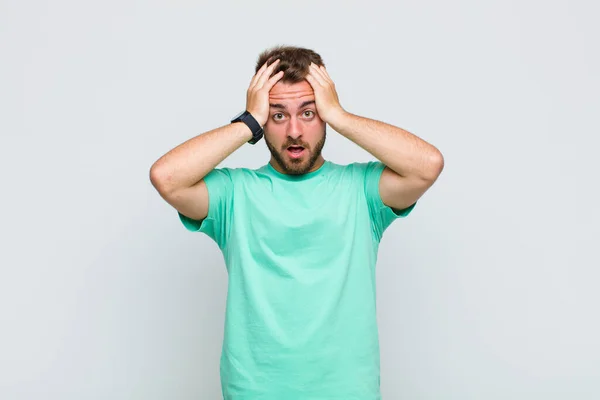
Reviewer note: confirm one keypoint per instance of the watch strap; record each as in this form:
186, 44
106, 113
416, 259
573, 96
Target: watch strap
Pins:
252, 123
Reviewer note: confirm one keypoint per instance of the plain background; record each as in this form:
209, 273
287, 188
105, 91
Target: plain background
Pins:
489, 290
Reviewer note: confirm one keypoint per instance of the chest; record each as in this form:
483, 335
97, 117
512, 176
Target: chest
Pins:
299, 221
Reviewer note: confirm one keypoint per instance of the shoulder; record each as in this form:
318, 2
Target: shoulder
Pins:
236, 172
363, 169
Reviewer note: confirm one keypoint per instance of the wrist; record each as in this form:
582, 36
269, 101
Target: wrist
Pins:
261, 120
336, 117
243, 129
250, 121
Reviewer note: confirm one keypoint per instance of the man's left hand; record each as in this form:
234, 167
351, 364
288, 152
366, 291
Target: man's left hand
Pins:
326, 98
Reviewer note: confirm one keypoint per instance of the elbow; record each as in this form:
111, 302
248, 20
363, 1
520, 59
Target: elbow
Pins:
438, 163
435, 166
159, 178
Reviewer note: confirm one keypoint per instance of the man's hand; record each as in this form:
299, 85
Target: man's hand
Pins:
326, 98
257, 98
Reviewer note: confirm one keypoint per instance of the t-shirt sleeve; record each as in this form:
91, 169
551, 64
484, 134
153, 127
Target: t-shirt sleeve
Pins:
381, 215
216, 225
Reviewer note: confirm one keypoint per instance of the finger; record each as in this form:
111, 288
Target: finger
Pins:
324, 71
258, 74
266, 74
316, 76
313, 83
319, 74
261, 72
273, 80
320, 77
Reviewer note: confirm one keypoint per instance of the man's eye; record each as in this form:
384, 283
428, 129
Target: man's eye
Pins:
277, 116
308, 113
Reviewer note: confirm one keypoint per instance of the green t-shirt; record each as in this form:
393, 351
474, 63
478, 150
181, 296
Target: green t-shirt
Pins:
300, 253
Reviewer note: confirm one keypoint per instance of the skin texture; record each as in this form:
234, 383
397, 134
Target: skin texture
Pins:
293, 120
298, 115
412, 164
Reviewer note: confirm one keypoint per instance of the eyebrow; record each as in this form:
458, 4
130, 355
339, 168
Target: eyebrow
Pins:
283, 107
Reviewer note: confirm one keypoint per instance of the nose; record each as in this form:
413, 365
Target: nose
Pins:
294, 129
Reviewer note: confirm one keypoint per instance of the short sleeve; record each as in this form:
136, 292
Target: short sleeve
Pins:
381, 215
216, 225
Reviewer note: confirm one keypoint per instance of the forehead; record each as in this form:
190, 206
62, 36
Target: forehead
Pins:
283, 91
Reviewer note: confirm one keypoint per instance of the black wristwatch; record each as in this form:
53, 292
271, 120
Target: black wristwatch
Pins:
248, 119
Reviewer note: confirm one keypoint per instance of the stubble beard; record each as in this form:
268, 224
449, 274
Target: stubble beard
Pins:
299, 166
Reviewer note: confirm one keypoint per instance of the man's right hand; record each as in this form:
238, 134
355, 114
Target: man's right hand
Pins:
257, 99
179, 174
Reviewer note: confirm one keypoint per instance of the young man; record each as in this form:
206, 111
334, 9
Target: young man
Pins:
299, 235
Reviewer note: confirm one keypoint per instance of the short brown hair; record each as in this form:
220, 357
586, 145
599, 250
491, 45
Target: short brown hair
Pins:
293, 61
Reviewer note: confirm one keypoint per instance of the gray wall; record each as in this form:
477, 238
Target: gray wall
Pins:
489, 290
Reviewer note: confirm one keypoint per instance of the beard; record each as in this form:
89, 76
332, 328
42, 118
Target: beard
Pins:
298, 166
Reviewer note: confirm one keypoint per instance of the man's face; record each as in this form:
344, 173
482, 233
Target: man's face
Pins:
294, 133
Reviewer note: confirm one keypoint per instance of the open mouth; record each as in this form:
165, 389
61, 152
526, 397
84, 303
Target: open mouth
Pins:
295, 151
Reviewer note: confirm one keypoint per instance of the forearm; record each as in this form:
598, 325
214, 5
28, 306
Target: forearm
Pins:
188, 163
400, 150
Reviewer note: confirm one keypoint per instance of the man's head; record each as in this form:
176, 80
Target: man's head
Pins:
294, 132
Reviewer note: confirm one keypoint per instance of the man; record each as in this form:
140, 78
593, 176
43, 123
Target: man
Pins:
299, 235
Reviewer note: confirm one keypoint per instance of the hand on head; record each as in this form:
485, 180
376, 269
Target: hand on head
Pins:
257, 98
